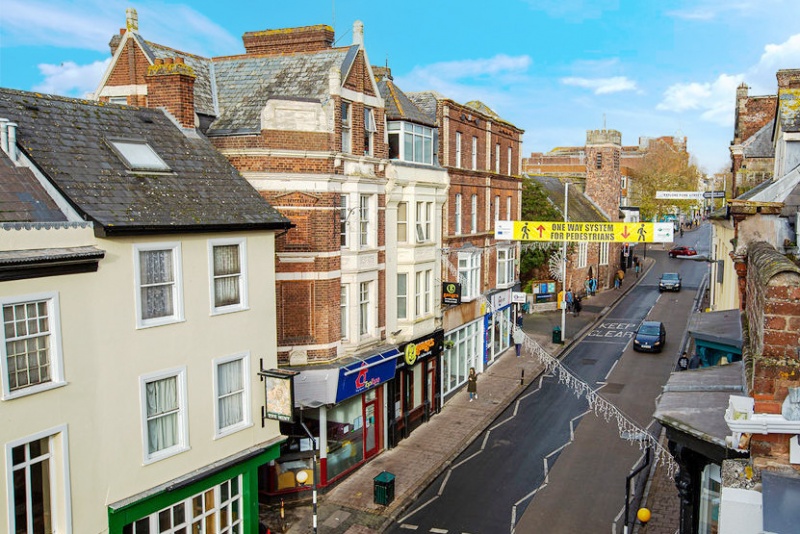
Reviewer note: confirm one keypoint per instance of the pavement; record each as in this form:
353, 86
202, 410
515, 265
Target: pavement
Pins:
349, 508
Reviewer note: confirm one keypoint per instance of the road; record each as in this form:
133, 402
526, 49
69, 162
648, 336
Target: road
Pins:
545, 465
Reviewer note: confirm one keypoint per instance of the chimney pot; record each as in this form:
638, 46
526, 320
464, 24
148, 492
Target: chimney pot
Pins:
122, 31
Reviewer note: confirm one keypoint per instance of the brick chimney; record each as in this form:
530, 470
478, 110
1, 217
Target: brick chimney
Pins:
170, 85
289, 40
788, 79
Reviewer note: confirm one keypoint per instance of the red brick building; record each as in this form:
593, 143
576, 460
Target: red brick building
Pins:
752, 150
304, 122
481, 153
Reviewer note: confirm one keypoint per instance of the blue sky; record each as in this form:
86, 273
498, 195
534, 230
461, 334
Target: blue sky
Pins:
555, 68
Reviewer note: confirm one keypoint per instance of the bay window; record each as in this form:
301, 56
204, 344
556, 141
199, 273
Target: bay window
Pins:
469, 271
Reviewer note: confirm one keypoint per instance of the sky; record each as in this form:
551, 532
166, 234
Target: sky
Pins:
555, 68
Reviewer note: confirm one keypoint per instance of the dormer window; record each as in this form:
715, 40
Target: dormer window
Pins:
138, 155
410, 142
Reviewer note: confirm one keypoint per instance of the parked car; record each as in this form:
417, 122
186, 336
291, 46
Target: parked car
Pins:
650, 337
669, 282
682, 251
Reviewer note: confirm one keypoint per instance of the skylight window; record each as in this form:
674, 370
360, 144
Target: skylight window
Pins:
139, 156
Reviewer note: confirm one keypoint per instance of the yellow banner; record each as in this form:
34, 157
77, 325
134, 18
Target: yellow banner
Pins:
597, 232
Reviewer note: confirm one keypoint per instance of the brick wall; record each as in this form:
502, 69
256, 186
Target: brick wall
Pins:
170, 85
130, 68
773, 318
289, 40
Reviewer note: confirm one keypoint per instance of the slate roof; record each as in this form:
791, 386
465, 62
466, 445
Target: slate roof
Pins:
694, 402
759, 145
68, 140
203, 83
400, 107
245, 83
426, 101
580, 207
22, 197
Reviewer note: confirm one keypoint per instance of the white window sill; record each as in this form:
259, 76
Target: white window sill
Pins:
228, 309
227, 431
32, 390
159, 322
164, 454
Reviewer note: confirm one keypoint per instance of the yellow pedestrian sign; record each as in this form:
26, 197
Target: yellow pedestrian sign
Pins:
595, 232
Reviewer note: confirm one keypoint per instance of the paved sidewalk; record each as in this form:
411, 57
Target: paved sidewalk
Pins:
348, 508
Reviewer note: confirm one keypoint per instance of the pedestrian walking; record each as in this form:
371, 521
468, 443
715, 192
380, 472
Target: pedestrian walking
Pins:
636, 268
569, 298
621, 276
683, 362
576, 306
587, 286
594, 285
472, 384
694, 362
519, 339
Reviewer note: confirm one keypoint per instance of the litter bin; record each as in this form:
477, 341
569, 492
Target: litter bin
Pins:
556, 334
384, 488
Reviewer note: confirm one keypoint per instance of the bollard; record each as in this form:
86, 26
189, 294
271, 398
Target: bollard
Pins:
522, 377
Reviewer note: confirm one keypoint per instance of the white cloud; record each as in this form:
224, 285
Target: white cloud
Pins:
472, 68
71, 79
715, 100
602, 86
90, 24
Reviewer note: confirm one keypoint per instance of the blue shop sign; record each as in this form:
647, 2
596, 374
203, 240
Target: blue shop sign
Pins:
361, 376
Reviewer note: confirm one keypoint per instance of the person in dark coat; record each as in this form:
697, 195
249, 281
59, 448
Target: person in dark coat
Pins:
683, 362
472, 384
694, 362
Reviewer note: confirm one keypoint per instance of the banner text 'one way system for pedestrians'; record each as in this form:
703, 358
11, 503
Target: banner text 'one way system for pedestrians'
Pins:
596, 232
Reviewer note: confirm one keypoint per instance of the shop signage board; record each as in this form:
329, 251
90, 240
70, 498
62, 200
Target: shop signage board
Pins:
679, 195
595, 232
451, 293
361, 376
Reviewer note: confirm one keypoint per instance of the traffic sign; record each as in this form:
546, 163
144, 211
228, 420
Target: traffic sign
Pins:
714, 194
596, 232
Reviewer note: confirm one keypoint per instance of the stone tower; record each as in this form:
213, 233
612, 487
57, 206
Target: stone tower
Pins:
603, 178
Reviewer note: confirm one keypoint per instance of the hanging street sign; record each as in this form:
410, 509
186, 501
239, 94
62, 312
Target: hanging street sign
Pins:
595, 232
714, 194
679, 195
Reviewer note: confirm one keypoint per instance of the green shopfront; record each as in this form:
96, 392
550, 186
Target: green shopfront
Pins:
221, 500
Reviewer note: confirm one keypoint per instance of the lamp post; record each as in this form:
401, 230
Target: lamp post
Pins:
302, 477
564, 263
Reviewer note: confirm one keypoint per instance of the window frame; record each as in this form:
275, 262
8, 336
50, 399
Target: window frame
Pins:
603, 253
370, 129
247, 421
404, 138
497, 158
583, 254
402, 296
505, 266
508, 209
469, 274
424, 214
55, 355
126, 150
344, 225
364, 222
510, 159
474, 153
59, 469
177, 315
182, 442
457, 215
243, 303
364, 316
458, 150
346, 111
344, 301
402, 222
474, 215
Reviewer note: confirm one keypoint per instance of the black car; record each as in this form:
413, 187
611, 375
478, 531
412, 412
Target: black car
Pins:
669, 282
650, 337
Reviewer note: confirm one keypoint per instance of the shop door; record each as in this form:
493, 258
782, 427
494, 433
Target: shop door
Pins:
371, 424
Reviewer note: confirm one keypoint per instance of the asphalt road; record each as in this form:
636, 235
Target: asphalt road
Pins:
513, 479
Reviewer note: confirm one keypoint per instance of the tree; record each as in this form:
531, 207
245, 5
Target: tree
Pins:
664, 167
536, 206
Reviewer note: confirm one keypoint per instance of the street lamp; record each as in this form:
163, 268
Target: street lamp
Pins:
302, 477
564, 263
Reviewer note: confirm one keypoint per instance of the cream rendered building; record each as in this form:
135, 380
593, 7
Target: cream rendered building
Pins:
139, 308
